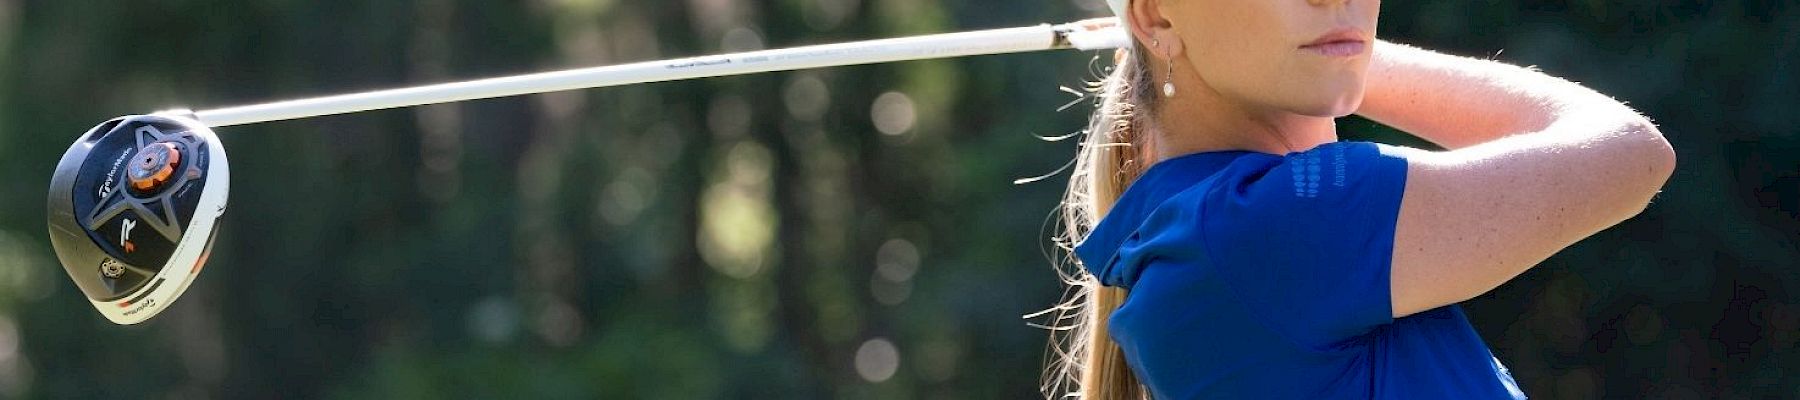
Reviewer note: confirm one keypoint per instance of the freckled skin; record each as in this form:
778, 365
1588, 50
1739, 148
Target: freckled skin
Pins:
1533, 163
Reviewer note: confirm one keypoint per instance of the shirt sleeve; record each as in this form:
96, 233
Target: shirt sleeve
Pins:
1307, 244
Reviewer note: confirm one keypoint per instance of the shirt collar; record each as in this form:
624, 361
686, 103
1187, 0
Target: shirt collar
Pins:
1099, 250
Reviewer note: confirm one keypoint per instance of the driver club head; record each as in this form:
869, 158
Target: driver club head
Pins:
134, 208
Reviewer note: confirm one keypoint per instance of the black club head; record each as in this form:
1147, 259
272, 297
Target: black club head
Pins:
133, 211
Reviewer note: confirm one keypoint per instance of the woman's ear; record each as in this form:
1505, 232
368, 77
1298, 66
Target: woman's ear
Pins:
1153, 29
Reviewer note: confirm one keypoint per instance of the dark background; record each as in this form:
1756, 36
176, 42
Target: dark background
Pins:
846, 232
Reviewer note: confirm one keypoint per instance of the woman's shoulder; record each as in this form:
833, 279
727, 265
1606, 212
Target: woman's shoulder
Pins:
1243, 206
1241, 191
1313, 172
1322, 179
1333, 204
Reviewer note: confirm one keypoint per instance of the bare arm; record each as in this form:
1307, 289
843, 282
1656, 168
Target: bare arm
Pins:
1536, 163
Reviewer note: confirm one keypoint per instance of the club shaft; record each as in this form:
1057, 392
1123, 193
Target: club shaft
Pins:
1086, 35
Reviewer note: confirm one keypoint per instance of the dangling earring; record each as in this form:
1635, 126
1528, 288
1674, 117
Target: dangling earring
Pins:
1168, 88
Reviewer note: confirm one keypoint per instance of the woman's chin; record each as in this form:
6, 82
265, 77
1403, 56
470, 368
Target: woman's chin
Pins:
1336, 109
1338, 106
1335, 99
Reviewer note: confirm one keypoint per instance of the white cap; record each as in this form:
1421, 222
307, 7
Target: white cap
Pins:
1119, 8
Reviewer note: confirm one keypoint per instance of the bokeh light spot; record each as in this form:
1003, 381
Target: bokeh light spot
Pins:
728, 116
807, 97
741, 39
626, 197
493, 320
897, 260
737, 219
889, 292
877, 360
893, 113
825, 15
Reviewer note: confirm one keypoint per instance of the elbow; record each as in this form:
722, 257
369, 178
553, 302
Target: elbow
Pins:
1653, 161
1659, 155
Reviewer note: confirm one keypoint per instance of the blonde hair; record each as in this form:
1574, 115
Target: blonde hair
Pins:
1111, 156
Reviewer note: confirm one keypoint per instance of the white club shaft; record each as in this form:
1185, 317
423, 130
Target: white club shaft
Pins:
1085, 35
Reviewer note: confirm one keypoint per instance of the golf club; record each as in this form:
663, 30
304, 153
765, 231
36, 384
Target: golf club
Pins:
134, 203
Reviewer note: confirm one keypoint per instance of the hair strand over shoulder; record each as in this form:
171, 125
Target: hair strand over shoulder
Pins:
1084, 361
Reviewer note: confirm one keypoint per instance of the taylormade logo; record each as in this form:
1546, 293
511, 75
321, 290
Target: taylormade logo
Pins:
106, 187
700, 63
146, 304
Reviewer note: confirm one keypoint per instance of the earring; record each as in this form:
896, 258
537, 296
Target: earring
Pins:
1168, 88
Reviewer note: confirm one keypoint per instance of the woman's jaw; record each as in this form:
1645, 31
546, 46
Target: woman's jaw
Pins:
1337, 64
1261, 75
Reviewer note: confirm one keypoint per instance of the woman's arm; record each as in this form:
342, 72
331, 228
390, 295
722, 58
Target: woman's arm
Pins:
1457, 102
1535, 164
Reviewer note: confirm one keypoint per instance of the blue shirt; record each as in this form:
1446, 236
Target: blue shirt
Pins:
1254, 275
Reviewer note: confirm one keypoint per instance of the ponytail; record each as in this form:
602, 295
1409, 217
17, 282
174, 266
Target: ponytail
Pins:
1110, 157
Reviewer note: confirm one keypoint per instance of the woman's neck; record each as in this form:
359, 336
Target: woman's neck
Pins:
1202, 120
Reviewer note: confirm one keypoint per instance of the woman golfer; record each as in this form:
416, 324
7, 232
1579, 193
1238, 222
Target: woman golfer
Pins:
1232, 248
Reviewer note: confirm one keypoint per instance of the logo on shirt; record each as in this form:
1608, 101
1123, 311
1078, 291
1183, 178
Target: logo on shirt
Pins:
1308, 167
1306, 175
1339, 165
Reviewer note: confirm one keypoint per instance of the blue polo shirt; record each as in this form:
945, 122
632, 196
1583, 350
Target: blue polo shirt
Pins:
1256, 275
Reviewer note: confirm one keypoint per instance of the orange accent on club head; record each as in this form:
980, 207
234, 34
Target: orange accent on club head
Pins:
163, 171
202, 263
130, 247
